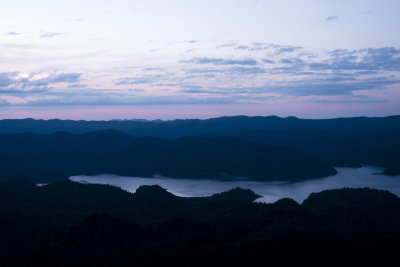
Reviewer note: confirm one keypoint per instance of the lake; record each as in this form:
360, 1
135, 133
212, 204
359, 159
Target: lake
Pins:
271, 191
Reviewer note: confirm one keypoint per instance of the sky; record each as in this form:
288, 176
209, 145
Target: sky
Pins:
154, 59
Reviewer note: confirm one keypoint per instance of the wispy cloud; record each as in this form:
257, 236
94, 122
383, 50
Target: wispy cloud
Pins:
286, 49
331, 18
144, 79
227, 45
12, 33
49, 34
109, 99
246, 70
349, 99
254, 46
220, 61
328, 86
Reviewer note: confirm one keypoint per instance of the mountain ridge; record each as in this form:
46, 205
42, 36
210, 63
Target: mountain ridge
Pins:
64, 154
179, 128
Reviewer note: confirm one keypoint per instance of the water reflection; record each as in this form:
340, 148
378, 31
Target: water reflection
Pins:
271, 191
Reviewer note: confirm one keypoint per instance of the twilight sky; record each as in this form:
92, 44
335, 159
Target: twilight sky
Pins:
122, 59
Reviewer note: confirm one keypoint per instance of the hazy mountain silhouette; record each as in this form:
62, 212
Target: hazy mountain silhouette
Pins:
181, 128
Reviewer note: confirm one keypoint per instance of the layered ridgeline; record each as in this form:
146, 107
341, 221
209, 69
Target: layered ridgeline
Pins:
339, 142
59, 155
189, 127
75, 224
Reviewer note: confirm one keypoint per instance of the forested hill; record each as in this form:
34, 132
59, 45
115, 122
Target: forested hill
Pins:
44, 157
338, 148
181, 128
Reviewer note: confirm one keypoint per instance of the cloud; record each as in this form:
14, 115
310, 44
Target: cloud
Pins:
15, 83
76, 85
382, 59
137, 90
331, 18
150, 69
291, 66
331, 86
194, 89
255, 46
369, 61
238, 69
349, 99
226, 45
242, 47
293, 61
7, 78
220, 61
12, 33
246, 70
203, 71
284, 71
268, 61
4, 102
145, 79
286, 49
329, 74
275, 48
64, 78
386, 58
216, 91
54, 78
109, 99
49, 34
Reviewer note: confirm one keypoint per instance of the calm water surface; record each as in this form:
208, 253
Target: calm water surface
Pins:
271, 191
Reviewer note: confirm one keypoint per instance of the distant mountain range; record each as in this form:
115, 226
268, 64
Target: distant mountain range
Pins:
180, 128
44, 157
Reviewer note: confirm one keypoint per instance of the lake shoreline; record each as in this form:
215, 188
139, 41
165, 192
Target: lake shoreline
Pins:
364, 176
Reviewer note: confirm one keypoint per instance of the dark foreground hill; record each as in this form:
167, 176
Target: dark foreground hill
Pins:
71, 224
60, 155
